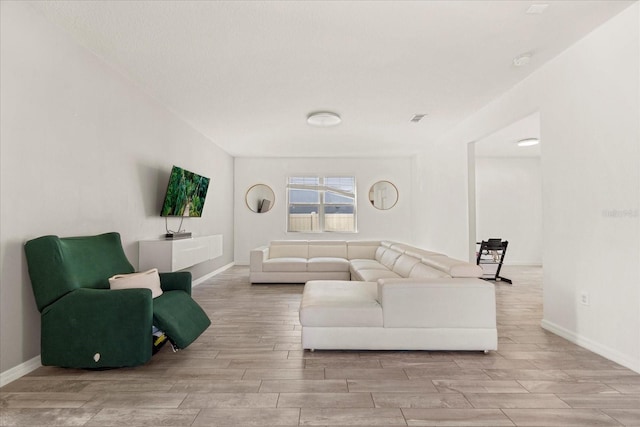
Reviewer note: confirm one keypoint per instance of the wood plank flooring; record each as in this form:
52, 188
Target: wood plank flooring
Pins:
248, 369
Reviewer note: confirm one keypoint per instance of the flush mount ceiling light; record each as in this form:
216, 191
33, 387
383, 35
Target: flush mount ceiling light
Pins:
323, 119
528, 142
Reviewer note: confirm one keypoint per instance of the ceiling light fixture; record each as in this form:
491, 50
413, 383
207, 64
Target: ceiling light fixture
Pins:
323, 119
528, 142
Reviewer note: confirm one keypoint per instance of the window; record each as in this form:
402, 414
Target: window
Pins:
318, 204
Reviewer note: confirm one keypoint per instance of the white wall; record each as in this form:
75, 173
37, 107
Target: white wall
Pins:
509, 205
84, 151
440, 196
253, 229
589, 104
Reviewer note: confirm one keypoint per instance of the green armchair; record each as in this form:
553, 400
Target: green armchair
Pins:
87, 325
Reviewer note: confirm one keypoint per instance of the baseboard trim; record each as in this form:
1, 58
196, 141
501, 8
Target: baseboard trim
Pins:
206, 277
593, 346
523, 264
22, 369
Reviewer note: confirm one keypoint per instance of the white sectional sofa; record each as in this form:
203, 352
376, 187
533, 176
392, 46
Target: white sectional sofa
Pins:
298, 261
381, 295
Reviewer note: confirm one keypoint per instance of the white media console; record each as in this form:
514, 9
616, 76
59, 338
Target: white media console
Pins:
174, 255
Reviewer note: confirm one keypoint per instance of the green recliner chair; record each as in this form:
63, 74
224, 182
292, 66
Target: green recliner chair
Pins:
87, 325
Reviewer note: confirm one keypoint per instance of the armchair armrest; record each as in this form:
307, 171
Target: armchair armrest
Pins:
176, 281
97, 328
257, 257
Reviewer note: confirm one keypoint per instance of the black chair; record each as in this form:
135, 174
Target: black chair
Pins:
492, 252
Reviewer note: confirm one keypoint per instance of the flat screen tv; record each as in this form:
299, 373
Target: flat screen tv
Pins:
185, 195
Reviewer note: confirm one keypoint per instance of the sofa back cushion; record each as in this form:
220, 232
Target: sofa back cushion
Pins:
389, 258
289, 249
425, 272
420, 253
337, 303
328, 248
362, 249
404, 264
60, 265
453, 267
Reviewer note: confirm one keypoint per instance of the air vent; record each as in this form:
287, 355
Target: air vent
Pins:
417, 117
522, 60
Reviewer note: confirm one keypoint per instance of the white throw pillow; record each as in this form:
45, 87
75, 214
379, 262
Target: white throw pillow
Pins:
149, 279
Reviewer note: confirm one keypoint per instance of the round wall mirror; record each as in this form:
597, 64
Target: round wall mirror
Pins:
260, 198
383, 195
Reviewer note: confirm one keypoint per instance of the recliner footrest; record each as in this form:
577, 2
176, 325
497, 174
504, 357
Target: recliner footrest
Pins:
182, 326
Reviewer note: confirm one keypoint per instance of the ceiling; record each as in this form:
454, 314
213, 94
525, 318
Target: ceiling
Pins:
247, 73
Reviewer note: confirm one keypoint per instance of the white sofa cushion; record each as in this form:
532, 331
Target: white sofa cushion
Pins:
404, 264
149, 279
453, 267
367, 264
373, 275
420, 253
389, 258
327, 248
340, 303
362, 249
402, 248
285, 264
289, 249
327, 264
432, 303
424, 271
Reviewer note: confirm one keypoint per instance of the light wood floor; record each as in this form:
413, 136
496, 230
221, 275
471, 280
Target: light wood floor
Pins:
248, 370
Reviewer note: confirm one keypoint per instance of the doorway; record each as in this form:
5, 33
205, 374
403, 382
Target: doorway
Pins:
505, 191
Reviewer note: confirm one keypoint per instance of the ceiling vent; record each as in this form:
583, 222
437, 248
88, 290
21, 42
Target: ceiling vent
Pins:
417, 117
522, 60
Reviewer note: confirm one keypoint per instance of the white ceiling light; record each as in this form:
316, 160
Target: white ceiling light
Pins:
528, 142
323, 119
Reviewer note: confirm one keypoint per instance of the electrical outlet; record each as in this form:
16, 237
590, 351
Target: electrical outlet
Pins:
584, 298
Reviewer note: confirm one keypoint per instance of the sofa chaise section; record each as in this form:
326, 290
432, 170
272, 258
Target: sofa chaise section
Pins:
399, 314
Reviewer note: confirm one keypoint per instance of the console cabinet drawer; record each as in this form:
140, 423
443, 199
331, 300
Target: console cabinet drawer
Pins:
174, 255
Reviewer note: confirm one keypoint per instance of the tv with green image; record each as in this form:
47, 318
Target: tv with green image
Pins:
186, 193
